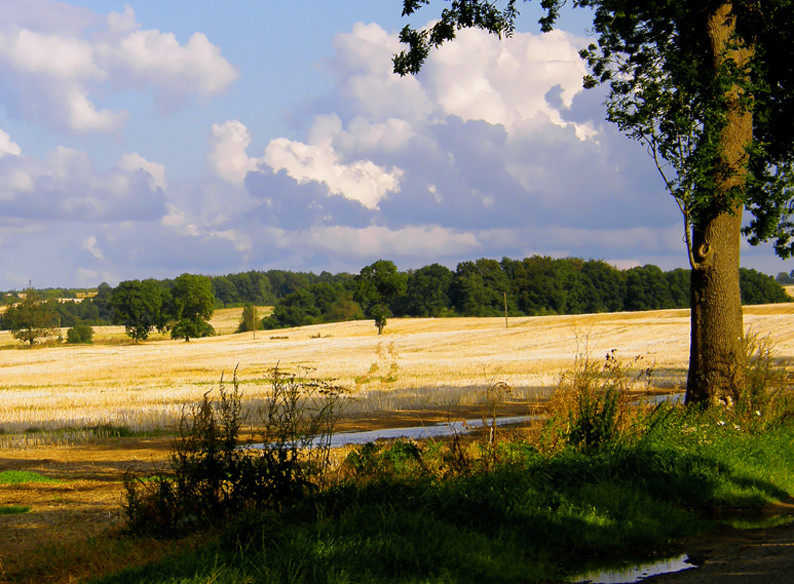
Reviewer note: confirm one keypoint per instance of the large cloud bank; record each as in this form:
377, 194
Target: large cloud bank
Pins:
493, 150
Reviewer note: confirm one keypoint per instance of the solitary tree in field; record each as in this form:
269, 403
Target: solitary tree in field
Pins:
249, 319
31, 318
708, 87
192, 305
376, 286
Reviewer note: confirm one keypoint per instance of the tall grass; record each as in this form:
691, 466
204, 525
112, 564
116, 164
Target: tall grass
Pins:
210, 477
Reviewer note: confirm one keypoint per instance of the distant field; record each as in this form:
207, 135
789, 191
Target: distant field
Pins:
436, 360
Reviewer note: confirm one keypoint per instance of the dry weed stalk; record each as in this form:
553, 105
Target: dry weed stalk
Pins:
592, 403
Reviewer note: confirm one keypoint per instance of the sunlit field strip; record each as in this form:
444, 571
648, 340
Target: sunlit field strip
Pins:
434, 361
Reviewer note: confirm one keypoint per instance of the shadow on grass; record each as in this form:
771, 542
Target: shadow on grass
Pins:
533, 519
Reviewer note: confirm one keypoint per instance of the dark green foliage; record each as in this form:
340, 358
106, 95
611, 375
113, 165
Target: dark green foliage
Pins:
31, 318
139, 306
758, 288
647, 289
249, 287
536, 285
428, 291
678, 282
80, 333
536, 518
317, 303
785, 279
400, 459
377, 287
102, 302
13, 509
604, 287
249, 321
191, 305
479, 289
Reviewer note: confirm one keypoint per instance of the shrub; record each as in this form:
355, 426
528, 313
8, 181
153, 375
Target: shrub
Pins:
80, 333
211, 477
590, 406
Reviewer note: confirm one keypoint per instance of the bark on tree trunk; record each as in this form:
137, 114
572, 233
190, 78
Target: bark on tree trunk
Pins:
717, 358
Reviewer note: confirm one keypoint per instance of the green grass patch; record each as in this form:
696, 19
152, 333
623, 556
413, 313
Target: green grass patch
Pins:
13, 477
413, 514
13, 509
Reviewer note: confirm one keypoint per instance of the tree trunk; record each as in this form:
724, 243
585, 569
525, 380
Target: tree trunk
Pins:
717, 357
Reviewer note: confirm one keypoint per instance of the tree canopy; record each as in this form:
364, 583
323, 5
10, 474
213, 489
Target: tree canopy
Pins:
139, 307
31, 318
191, 306
377, 285
708, 88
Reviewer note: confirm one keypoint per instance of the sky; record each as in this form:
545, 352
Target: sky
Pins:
152, 138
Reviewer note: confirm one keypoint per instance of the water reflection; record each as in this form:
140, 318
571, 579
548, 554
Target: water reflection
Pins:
415, 432
634, 573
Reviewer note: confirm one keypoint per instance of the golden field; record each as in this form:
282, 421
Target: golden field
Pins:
417, 365
436, 361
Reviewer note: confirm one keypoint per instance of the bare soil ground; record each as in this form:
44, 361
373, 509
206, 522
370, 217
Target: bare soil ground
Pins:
740, 556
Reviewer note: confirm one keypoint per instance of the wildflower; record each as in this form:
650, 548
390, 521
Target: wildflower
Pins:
758, 413
720, 423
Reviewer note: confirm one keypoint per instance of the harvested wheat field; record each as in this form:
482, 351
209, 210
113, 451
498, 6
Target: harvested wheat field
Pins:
419, 369
436, 361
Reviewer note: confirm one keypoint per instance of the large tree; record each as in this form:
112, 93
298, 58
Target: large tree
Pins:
376, 286
192, 305
139, 307
31, 318
708, 87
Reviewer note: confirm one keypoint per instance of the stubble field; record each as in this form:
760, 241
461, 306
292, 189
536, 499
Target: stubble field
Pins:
417, 366
437, 361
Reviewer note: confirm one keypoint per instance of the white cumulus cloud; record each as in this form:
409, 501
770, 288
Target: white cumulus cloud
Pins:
157, 59
228, 145
7, 147
53, 74
133, 162
360, 180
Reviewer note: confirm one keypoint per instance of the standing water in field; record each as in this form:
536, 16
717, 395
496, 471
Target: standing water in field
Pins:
415, 432
634, 573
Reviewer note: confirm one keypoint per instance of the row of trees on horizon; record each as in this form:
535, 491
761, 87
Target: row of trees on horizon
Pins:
536, 285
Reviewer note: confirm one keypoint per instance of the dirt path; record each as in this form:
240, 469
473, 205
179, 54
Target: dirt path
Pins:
740, 556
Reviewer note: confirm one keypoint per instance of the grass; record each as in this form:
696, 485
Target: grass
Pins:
531, 518
14, 477
13, 509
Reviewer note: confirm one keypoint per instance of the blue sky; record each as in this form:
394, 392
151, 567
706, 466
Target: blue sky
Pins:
147, 139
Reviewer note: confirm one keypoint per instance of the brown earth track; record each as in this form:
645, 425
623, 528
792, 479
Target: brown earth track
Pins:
740, 556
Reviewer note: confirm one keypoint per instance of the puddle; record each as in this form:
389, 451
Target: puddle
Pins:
672, 398
415, 432
628, 574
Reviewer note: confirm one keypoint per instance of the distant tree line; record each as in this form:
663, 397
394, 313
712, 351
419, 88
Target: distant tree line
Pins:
536, 285
785, 279
182, 306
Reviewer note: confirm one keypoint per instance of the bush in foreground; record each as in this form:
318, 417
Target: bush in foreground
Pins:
211, 478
